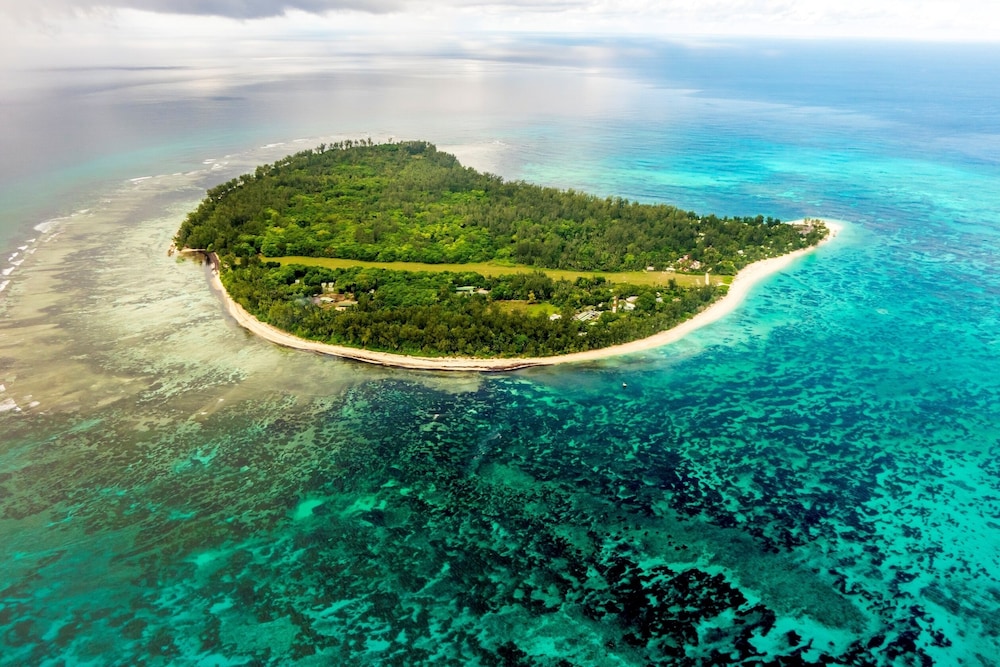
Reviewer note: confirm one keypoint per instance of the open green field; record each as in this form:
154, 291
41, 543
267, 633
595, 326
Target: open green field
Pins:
528, 308
489, 269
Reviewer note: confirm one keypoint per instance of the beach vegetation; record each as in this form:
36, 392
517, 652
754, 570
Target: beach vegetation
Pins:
398, 247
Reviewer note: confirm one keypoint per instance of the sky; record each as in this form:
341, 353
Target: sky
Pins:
44, 33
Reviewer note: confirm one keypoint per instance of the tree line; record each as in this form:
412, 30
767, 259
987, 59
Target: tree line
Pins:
424, 313
410, 202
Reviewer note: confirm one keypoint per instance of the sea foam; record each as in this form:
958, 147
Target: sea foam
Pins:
48, 225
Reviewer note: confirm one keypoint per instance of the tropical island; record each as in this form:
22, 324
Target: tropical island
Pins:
397, 254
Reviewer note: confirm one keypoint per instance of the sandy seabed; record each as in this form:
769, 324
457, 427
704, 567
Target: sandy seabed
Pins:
738, 290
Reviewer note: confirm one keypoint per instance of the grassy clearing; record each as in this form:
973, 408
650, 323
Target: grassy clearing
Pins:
529, 308
488, 269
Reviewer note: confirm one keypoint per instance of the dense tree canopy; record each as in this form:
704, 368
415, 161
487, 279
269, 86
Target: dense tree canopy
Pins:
411, 202
438, 314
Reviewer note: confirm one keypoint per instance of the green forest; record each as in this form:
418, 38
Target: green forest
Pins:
410, 202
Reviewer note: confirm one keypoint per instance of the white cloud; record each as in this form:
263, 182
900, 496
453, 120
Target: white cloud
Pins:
49, 30
237, 9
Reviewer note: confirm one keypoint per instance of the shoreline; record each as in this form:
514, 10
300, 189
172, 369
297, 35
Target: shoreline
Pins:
742, 283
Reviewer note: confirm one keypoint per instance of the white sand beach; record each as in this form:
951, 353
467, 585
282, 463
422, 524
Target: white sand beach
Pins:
738, 290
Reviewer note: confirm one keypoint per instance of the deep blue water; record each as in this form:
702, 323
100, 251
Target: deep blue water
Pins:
811, 480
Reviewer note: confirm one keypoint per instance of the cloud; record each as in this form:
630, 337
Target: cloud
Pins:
236, 9
928, 19
254, 9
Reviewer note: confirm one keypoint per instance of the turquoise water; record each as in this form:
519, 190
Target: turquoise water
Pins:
812, 480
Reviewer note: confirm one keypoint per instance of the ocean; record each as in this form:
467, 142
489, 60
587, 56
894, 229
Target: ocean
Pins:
813, 479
